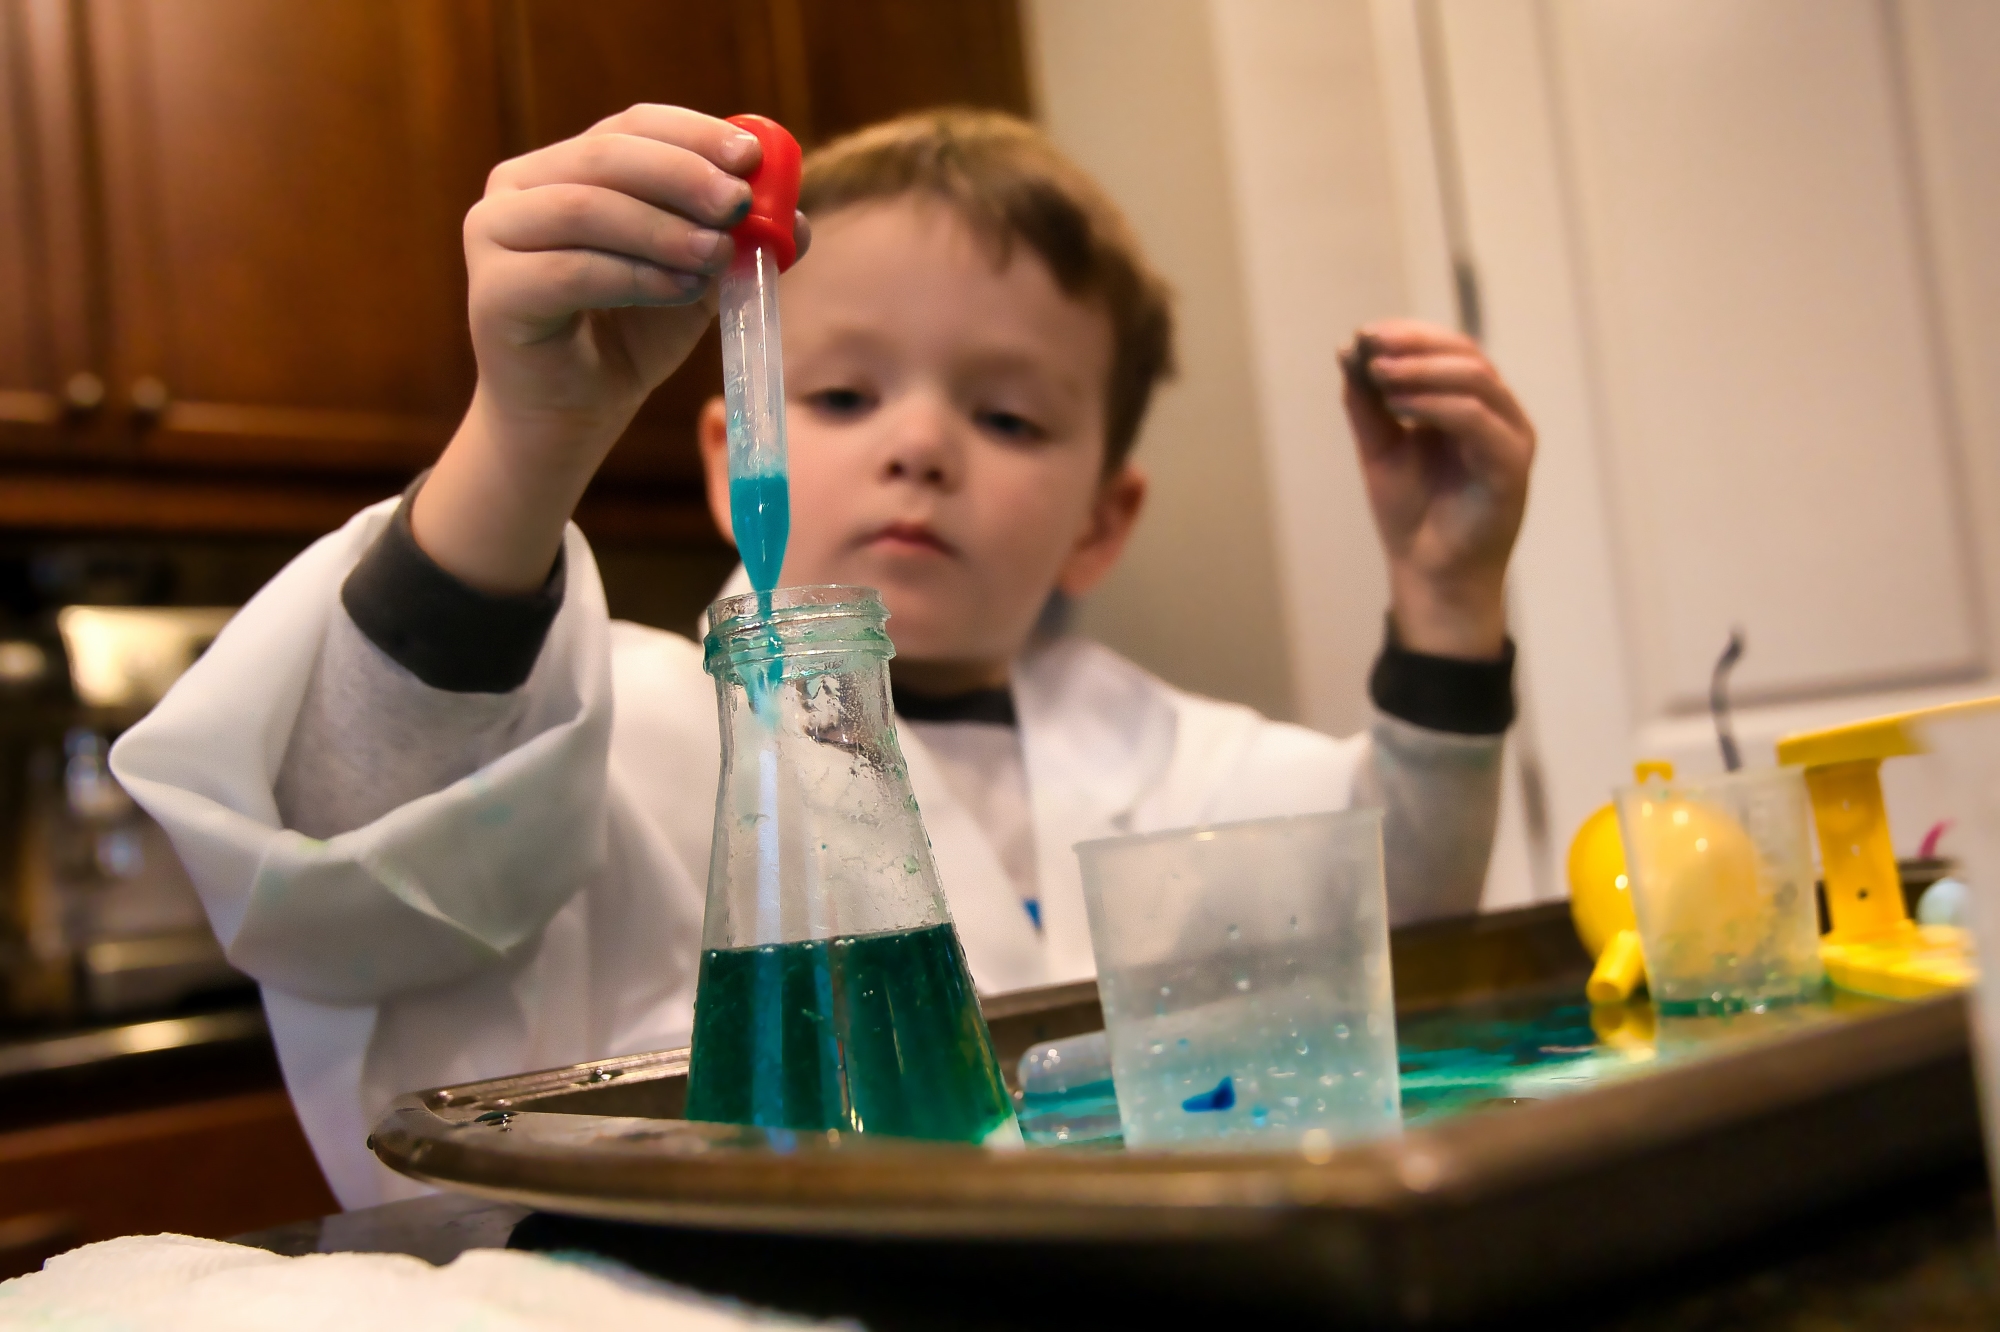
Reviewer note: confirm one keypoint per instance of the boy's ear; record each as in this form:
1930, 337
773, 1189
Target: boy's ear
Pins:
1113, 514
711, 429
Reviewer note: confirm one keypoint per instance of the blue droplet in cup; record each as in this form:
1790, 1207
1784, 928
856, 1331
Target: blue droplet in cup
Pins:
1221, 1097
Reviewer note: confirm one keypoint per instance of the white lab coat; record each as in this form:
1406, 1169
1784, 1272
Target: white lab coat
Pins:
546, 908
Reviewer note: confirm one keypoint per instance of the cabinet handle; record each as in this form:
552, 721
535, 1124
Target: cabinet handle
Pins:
149, 395
83, 392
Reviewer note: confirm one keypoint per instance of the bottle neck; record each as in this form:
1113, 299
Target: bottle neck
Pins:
817, 834
809, 629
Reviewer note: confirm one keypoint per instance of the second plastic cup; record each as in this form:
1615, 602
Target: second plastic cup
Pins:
1244, 975
1723, 888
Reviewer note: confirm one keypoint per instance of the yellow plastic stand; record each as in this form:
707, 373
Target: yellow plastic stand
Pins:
1874, 947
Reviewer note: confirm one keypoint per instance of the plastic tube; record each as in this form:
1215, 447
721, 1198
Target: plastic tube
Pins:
753, 367
753, 395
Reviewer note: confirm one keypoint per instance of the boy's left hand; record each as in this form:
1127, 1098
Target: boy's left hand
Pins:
1445, 451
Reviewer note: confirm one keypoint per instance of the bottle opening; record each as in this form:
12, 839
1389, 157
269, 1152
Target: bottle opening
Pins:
795, 622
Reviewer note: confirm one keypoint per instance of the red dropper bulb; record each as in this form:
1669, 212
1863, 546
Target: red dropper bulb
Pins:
774, 191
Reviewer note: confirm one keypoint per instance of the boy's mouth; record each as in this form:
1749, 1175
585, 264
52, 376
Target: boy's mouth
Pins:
909, 538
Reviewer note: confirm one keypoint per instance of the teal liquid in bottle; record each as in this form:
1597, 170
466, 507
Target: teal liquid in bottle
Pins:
877, 1033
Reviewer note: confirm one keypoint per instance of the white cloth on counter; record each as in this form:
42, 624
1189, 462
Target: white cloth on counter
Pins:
175, 1283
435, 888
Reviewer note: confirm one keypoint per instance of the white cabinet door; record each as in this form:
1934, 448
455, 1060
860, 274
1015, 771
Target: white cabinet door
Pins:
1741, 259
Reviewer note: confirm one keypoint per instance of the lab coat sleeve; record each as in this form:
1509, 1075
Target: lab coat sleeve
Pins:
431, 886
1439, 794
370, 736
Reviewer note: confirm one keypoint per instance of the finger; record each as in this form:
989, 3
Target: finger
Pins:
1406, 337
802, 234
1492, 445
661, 174
734, 150
553, 284
586, 217
1376, 430
1451, 372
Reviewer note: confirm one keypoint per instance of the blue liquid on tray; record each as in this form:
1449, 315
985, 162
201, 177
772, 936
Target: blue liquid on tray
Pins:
1526, 1046
1521, 1047
760, 515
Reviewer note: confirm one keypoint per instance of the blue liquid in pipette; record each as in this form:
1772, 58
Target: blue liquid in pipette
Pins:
760, 512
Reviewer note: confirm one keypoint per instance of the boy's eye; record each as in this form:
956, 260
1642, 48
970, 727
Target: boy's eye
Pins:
841, 402
1009, 425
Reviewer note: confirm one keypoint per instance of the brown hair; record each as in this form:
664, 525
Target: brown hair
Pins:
1004, 177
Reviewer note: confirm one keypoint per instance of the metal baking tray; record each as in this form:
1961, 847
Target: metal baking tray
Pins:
1463, 1215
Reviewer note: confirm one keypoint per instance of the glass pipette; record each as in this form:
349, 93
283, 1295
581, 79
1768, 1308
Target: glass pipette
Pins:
753, 369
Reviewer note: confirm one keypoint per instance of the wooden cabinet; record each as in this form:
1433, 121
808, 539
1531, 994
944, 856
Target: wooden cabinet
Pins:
231, 285
213, 1168
50, 296
282, 188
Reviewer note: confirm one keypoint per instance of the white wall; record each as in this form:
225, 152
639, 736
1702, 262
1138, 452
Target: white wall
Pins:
1128, 88
1735, 258
1248, 144
1739, 260
1277, 158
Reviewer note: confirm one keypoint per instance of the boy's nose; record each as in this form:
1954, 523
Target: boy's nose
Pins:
923, 446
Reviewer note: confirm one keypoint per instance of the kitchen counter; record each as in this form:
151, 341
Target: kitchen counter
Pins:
1921, 1259
52, 1075
142, 1126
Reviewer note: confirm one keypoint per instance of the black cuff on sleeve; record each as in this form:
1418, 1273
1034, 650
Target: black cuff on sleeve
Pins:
446, 633
1444, 693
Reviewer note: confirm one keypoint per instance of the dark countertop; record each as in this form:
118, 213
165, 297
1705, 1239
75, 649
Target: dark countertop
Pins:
1919, 1259
56, 1074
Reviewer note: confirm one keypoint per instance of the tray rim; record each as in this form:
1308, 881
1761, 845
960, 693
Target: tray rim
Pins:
852, 1185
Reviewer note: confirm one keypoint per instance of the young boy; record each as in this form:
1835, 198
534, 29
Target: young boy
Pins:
398, 777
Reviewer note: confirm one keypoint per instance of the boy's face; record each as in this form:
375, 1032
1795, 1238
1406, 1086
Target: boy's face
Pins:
945, 426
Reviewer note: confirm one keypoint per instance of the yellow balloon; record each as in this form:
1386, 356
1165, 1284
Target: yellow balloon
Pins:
1700, 868
1600, 896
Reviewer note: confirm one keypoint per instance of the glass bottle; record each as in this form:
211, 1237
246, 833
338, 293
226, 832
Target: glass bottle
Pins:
833, 992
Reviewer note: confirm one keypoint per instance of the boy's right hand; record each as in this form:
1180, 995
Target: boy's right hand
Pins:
590, 267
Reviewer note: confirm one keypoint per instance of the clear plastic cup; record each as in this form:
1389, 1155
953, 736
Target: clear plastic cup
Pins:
1244, 973
1723, 887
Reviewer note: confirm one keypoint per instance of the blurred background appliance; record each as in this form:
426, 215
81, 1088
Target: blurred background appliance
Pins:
103, 918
